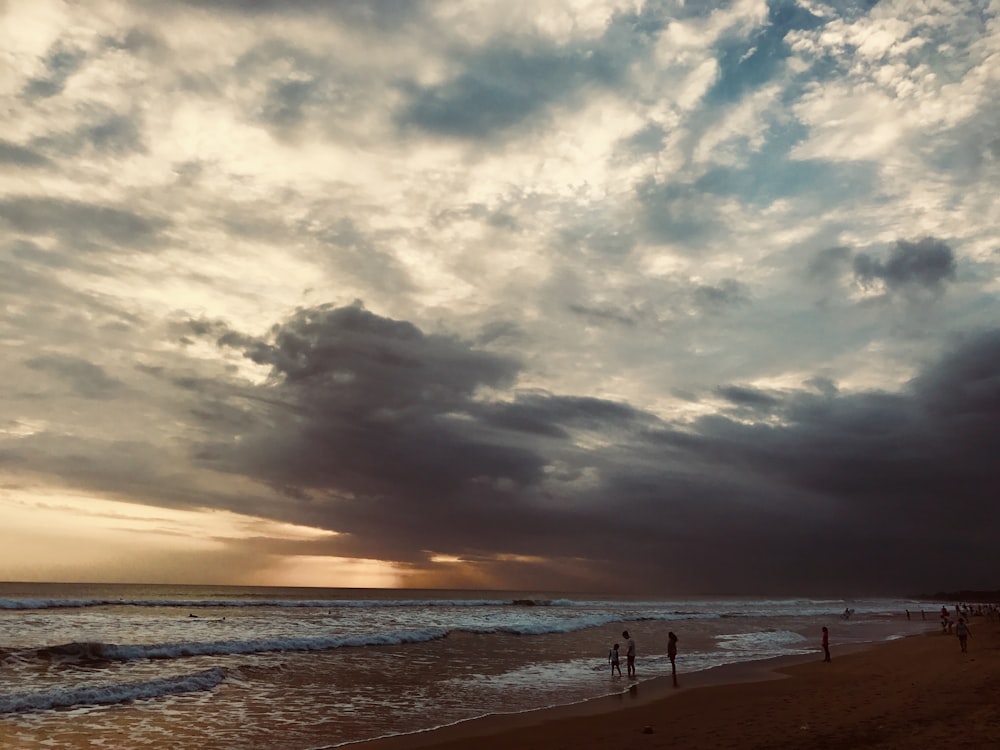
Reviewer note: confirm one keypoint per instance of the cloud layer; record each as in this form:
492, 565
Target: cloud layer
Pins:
608, 296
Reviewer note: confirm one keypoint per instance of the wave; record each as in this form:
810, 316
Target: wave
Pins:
36, 603
102, 695
96, 652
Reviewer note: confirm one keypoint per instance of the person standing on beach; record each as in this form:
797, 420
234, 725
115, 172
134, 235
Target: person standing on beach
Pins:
629, 653
826, 644
613, 658
672, 654
963, 632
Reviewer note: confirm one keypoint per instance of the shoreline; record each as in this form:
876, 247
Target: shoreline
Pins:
640, 693
872, 689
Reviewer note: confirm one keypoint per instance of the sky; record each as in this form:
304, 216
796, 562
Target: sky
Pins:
675, 297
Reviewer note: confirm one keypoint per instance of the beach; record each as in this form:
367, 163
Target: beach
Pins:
915, 692
228, 668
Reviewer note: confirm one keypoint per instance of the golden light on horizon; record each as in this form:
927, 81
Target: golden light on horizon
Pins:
92, 538
335, 572
445, 559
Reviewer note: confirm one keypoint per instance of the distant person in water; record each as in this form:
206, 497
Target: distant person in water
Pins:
613, 660
629, 653
826, 644
672, 654
963, 632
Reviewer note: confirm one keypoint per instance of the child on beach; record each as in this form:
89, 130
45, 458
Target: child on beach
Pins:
613, 659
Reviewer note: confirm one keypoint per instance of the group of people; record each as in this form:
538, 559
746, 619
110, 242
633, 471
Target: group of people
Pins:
614, 659
613, 656
961, 628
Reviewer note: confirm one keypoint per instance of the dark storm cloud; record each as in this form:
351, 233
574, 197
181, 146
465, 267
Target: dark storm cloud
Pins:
395, 438
849, 489
927, 263
387, 422
838, 470
74, 220
84, 378
373, 386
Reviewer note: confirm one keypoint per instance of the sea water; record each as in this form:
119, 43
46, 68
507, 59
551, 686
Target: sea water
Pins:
132, 666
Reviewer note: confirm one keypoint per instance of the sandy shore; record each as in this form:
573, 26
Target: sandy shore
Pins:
919, 692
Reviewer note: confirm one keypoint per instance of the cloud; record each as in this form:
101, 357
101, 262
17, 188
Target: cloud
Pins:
748, 62
362, 384
78, 220
513, 80
86, 379
388, 433
927, 263
61, 63
633, 289
829, 262
21, 156
728, 294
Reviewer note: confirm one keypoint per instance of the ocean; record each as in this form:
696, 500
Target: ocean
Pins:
228, 668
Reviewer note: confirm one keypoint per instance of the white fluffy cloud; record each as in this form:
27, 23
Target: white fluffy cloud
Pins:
674, 228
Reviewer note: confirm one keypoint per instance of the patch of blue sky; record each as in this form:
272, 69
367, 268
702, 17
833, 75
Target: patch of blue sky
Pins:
745, 63
765, 179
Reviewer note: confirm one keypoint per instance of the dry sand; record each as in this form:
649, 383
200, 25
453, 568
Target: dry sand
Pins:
919, 692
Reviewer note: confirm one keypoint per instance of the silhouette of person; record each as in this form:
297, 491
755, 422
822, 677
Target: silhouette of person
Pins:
672, 654
629, 654
613, 659
963, 632
826, 644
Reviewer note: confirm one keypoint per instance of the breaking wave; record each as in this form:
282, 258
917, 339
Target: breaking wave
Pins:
102, 695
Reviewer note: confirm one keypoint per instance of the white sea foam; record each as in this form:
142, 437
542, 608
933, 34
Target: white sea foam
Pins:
762, 641
114, 693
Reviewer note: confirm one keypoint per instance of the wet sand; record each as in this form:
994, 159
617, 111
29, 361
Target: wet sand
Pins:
918, 692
